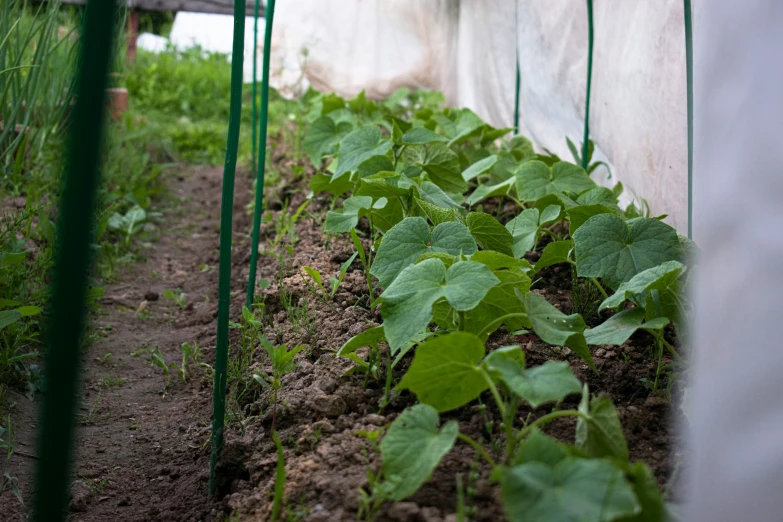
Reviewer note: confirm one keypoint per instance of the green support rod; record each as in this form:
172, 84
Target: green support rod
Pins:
65, 329
589, 81
226, 208
518, 75
689, 73
254, 112
269, 12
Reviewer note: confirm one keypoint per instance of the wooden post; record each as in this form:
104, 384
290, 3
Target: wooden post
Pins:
133, 34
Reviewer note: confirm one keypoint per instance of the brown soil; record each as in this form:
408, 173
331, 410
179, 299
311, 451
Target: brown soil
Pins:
145, 455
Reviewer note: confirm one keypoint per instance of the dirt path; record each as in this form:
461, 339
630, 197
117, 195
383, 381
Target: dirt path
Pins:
142, 452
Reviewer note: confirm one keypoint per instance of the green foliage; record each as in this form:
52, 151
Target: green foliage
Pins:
615, 250
413, 447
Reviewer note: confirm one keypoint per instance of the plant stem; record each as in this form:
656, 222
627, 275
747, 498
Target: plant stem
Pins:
495, 393
388, 379
659, 336
481, 451
546, 419
461, 321
491, 326
509, 422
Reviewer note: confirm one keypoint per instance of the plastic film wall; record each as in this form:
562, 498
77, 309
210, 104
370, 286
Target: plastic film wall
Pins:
466, 49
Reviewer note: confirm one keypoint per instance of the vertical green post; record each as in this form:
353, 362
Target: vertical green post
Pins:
689, 74
269, 13
254, 112
518, 74
72, 261
589, 81
226, 208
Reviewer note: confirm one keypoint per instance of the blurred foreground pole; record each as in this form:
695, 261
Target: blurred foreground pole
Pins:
735, 406
226, 227
71, 264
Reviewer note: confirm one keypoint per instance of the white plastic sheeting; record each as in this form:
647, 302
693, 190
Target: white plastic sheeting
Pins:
466, 49
736, 412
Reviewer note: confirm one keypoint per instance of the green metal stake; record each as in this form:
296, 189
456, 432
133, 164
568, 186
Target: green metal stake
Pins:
254, 114
226, 208
689, 73
518, 76
72, 261
589, 80
269, 13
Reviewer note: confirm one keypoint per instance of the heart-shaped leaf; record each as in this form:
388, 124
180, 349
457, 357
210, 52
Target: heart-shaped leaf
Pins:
598, 431
444, 371
608, 247
359, 146
323, 137
489, 233
573, 490
550, 382
660, 277
535, 179
412, 449
406, 304
554, 327
620, 327
406, 241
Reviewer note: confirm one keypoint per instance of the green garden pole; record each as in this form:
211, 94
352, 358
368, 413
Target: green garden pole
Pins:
689, 73
269, 13
226, 207
65, 329
518, 75
589, 80
254, 112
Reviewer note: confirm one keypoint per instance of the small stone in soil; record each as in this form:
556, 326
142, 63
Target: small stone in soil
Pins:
151, 295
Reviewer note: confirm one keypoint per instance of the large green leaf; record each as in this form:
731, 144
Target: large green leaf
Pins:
444, 371
436, 214
324, 183
524, 229
421, 136
442, 165
489, 233
535, 179
412, 449
538, 447
599, 196
406, 241
550, 382
9, 317
649, 495
406, 304
359, 146
660, 277
496, 260
353, 208
483, 192
554, 253
608, 247
500, 301
598, 431
480, 167
573, 490
578, 215
554, 327
526, 225
323, 137
620, 327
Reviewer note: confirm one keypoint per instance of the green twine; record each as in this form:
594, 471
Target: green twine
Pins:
518, 75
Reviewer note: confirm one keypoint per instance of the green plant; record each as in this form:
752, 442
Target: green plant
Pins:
334, 283
178, 297
158, 360
452, 370
7, 481
192, 354
282, 361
